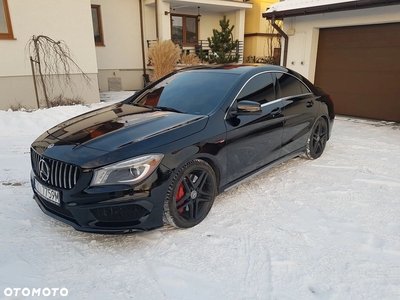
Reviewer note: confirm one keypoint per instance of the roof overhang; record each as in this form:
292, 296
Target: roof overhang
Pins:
207, 5
279, 11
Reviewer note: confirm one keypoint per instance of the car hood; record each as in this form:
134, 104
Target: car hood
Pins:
119, 125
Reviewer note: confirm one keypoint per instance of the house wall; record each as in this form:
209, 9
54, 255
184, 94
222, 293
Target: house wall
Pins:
255, 44
42, 17
121, 56
237, 18
254, 20
304, 33
209, 20
259, 46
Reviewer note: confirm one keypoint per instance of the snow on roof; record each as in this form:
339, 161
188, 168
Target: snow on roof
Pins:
297, 4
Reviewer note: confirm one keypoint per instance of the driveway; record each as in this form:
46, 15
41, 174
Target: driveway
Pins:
322, 229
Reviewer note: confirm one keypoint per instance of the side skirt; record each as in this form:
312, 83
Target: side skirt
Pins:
261, 170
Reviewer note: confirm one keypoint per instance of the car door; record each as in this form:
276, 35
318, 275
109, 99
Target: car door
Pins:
300, 110
254, 140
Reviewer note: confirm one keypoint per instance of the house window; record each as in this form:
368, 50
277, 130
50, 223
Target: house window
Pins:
5, 21
184, 30
97, 26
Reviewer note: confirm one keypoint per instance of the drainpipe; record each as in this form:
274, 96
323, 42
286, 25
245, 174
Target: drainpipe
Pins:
156, 11
285, 36
142, 37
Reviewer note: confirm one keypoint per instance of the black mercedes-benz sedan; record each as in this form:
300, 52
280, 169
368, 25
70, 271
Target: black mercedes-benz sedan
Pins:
164, 154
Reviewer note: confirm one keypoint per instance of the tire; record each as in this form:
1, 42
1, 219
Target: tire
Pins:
317, 140
190, 195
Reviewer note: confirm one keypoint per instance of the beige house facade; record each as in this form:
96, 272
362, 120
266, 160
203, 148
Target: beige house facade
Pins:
122, 59
109, 40
261, 40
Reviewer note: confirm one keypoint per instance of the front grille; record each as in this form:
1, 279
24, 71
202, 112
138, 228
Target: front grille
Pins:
119, 213
61, 175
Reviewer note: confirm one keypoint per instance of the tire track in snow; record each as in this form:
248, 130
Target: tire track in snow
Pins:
258, 274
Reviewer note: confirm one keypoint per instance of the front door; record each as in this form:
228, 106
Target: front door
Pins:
254, 140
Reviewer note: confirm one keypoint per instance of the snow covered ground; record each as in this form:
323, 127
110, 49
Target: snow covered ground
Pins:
323, 229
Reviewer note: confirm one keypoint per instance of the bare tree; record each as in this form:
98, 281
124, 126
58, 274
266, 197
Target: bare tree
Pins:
52, 61
273, 40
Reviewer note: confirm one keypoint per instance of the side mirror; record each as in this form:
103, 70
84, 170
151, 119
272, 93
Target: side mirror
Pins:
246, 107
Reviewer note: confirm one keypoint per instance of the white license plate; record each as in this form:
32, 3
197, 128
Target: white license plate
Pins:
48, 194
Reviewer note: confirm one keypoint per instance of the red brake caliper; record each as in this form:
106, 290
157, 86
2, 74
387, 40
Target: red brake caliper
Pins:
179, 195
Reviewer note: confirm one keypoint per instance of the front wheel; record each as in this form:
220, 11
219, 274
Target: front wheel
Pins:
190, 195
317, 140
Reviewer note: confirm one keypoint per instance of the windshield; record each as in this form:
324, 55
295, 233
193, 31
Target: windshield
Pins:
193, 92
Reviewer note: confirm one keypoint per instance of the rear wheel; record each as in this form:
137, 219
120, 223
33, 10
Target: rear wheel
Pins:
190, 195
317, 140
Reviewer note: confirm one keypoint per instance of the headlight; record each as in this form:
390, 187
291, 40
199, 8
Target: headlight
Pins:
128, 171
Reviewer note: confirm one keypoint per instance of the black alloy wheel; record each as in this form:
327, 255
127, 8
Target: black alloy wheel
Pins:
317, 140
190, 195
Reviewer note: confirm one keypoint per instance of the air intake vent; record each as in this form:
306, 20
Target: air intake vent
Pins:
120, 213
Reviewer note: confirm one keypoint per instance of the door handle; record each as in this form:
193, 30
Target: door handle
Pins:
310, 103
276, 111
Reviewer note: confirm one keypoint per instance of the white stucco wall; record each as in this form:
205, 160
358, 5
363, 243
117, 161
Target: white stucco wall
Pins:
304, 32
67, 20
237, 18
121, 30
121, 55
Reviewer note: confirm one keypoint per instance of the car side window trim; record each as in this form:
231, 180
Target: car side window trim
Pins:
271, 102
275, 79
294, 96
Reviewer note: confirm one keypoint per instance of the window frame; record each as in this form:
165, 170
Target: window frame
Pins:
9, 35
183, 42
99, 24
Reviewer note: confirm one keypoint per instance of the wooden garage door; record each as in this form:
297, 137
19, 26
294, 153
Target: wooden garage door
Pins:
360, 67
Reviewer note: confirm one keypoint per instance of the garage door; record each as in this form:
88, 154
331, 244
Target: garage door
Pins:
360, 67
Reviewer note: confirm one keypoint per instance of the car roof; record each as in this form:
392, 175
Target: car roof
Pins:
235, 68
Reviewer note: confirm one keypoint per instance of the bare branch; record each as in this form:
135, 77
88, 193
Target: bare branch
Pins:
54, 62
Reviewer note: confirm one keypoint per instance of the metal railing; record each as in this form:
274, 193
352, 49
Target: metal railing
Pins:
200, 48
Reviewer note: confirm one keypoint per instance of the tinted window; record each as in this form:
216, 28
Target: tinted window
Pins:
304, 89
194, 92
289, 86
260, 89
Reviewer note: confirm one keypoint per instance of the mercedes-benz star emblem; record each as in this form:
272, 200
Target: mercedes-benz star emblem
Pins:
44, 170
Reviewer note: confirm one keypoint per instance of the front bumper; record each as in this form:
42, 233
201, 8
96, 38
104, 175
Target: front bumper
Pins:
127, 214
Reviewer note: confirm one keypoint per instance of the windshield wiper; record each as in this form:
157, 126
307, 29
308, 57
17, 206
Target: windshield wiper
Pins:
161, 108
165, 108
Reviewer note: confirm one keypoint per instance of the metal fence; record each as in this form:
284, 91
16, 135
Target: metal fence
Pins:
202, 46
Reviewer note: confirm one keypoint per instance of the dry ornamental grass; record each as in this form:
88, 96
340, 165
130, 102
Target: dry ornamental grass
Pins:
64, 101
164, 55
190, 59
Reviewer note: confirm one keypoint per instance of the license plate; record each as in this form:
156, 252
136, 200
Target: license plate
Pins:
48, 194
